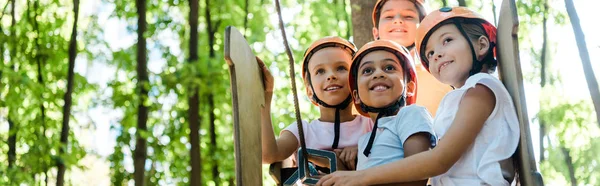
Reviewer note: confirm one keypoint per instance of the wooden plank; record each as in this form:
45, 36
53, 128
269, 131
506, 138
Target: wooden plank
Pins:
248, 98
509, 69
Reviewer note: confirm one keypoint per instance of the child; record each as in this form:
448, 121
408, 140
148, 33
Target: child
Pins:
325, 72
383, 82
476, 123
397, 20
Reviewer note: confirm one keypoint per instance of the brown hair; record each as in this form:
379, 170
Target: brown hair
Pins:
474, 30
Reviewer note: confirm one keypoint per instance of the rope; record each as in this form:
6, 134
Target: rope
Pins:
295, 93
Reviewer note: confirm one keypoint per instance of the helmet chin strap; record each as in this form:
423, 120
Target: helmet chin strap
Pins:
411, 46
337, 107
477, 65
385, 111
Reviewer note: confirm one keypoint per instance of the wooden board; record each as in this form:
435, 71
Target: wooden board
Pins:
248, 98
509, 69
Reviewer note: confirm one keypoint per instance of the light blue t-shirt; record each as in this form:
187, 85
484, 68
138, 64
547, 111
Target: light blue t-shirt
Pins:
392, 132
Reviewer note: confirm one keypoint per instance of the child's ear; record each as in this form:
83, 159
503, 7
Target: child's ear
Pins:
411, 86
355, 97
375, 34
411, 93
309, 91
483, 44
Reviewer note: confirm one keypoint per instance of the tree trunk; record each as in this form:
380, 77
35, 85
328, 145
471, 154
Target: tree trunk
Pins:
194, 102
592, 82
142, 86
212, 29
64, 134
362, 26
246, 18
37, 58
40, 64
569, 162
12, 129
213, 138
231, 181
12, 143
2, 44
543, 75
462, 3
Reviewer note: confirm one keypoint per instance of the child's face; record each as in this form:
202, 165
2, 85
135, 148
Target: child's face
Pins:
449, 55
398, 22
328, 70
380, 79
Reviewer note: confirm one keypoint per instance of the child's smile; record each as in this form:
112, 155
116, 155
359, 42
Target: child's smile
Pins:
380, 87
328, 70
397, 31
449, 62
333, 88
443, 65
398, 22
380, 79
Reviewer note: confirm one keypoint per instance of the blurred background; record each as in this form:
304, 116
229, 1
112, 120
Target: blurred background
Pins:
75, 93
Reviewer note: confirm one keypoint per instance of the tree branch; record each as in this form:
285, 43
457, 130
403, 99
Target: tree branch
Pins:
4, 9
64, 135
585, 57
246, 18
569, 162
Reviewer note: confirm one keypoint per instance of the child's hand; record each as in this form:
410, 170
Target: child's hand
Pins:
341, 178
268, 80
347, 156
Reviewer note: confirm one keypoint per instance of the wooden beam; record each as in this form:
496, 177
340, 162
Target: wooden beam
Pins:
509, 69
248, 98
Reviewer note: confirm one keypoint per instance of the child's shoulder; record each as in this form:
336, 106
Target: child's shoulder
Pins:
413, 113
361, 118
304, 122
482, 78
412, 109
489, 81
294, 125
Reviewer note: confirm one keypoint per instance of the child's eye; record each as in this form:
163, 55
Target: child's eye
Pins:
342, 68
389, 17
429, 55
320, 71
447, 40
367, 70
409, 17
389, 68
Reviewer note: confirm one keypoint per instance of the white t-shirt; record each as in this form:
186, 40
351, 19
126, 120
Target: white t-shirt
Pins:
319, 134
392, 132
497, 140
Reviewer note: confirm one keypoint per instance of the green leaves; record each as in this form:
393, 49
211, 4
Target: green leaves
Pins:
571, 126
33, 84
172, 79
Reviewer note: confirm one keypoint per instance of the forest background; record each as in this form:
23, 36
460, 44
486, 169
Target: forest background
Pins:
108, 92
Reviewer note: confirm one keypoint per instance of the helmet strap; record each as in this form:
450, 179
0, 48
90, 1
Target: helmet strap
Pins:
337, 107
385, 111
477, 65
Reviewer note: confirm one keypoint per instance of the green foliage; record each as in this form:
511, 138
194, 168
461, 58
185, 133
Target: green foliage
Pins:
33, 83
41, 34
575, 129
